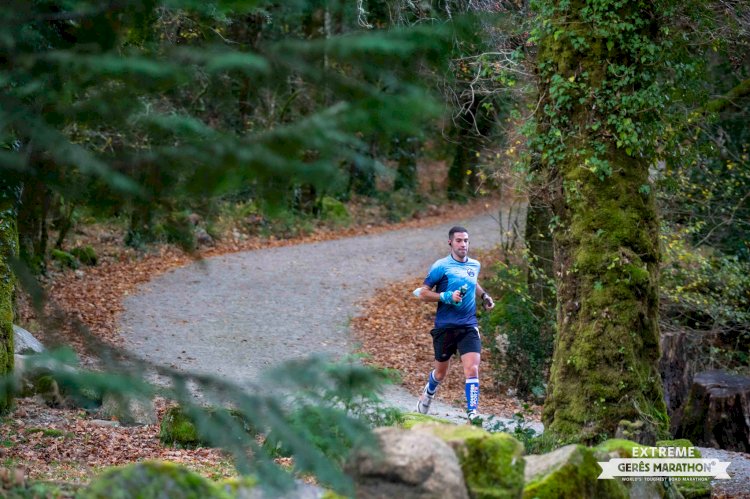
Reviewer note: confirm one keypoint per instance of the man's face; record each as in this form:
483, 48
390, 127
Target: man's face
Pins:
459, 244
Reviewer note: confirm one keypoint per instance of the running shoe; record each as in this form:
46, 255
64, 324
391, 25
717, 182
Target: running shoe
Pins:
423, 404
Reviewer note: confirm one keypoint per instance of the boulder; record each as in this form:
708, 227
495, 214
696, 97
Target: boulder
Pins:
406, 464
24, 342
571, 471
152, 479
129, 411
492, 463
717, 413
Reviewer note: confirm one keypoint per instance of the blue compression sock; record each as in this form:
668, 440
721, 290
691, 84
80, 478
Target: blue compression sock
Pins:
472, 394
432, 383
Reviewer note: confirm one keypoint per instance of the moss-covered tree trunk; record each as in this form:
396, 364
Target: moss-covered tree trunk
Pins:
596, 61
9, 192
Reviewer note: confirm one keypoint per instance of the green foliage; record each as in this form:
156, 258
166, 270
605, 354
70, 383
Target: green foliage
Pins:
707, 292
516, 322
703, 287
615, 105
520, 428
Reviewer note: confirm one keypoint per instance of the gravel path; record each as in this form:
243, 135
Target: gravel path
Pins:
237, 314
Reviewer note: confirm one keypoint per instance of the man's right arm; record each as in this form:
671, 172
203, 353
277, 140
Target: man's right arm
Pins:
427, 295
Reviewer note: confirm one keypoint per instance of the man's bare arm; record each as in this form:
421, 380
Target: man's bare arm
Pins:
427, 295
487, 302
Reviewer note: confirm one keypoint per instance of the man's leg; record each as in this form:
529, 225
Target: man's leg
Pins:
470, 362
433, 382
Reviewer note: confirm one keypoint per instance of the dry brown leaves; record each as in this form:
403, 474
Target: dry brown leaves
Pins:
64, 444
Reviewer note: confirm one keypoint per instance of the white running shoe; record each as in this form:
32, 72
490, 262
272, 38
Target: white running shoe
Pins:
423, 404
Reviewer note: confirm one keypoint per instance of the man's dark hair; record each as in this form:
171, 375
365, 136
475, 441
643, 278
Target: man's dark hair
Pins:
454, 229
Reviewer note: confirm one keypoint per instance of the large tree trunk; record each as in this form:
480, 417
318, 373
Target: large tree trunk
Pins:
9, 193
605, 363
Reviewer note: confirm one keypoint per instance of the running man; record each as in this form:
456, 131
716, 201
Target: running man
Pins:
456, 291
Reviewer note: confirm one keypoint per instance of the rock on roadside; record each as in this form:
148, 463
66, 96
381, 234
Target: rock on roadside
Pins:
399, 471
24, 342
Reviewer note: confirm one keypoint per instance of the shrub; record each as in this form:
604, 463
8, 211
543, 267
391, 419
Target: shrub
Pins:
708, 292
335, 211
520, 353
401, 205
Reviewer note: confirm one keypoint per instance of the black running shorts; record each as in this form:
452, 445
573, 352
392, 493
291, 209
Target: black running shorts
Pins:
446, 340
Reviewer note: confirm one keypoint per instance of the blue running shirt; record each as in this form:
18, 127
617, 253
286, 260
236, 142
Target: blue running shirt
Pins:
448, 274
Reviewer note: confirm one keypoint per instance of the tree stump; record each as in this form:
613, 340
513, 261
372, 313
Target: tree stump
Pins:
717, 413
677, 370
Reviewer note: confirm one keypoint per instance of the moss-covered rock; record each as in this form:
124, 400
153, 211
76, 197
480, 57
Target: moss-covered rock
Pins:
47, 387
571, 471
85, 254
410, 419
180, 428
492, 463
64, 258
177, 428
152, 479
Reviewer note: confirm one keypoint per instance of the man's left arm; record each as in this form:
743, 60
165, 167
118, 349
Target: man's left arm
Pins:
487, 302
